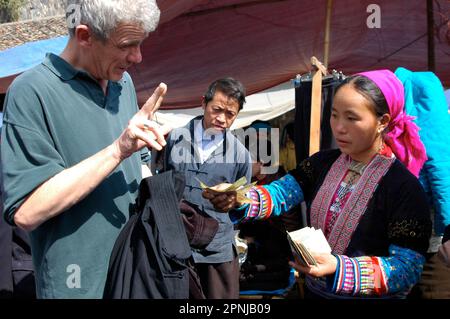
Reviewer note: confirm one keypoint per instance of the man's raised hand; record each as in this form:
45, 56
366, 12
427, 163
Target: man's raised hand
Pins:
142, 130
154, 102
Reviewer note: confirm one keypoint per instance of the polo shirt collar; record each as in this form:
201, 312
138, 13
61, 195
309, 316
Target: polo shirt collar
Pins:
66, 71
60, 67
63, 69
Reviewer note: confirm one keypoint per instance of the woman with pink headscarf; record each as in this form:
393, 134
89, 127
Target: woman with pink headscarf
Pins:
365, 196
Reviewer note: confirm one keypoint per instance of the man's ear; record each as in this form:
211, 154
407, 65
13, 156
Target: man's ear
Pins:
83, 35
203, 102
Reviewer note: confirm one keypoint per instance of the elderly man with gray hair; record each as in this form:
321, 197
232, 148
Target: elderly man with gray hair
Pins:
73, 144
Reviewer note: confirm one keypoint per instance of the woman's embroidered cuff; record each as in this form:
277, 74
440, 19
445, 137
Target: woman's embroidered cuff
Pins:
265, 203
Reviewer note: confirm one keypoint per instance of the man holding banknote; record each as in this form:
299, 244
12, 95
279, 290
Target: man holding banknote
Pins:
207, 152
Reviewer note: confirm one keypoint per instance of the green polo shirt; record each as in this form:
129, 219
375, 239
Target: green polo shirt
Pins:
55, 117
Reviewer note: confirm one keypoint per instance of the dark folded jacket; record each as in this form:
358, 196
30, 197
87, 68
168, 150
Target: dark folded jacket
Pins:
149, 258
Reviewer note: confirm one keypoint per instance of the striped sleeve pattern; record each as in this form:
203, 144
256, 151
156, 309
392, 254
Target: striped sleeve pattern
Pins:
274, 199
378, 276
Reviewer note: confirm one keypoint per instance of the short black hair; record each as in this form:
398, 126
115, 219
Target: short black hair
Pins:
230, 87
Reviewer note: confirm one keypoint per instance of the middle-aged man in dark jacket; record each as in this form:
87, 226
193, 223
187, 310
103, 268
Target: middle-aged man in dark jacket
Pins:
205, 150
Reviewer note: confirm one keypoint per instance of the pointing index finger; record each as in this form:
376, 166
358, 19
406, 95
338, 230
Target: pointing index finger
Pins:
154, 101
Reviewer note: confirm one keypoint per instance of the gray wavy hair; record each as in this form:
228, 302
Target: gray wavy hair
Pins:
103, 16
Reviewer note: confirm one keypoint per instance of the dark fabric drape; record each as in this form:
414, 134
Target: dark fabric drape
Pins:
6, 281
303, 116
150, 256
16, 265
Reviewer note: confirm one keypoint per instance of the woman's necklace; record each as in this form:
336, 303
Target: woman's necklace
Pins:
355, 169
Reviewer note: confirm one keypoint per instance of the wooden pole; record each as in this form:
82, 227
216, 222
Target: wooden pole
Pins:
326, 48
430, 29
316, 106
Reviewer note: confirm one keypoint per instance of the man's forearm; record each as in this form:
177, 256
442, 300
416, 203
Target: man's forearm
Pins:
66, 188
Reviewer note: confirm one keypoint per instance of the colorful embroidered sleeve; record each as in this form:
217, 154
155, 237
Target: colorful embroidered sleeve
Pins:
274, 199
379, 276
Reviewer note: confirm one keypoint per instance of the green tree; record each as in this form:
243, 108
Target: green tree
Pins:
9, 10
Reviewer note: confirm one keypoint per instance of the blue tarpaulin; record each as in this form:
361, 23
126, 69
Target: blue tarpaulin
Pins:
25, 56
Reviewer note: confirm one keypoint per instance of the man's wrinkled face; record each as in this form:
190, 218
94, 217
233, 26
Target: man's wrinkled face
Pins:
120, 51
220, 112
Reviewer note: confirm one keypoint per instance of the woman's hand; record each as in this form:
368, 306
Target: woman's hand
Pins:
222, 201
326, 265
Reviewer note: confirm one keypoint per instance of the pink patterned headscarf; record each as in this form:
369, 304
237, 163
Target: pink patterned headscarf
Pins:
403, 137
